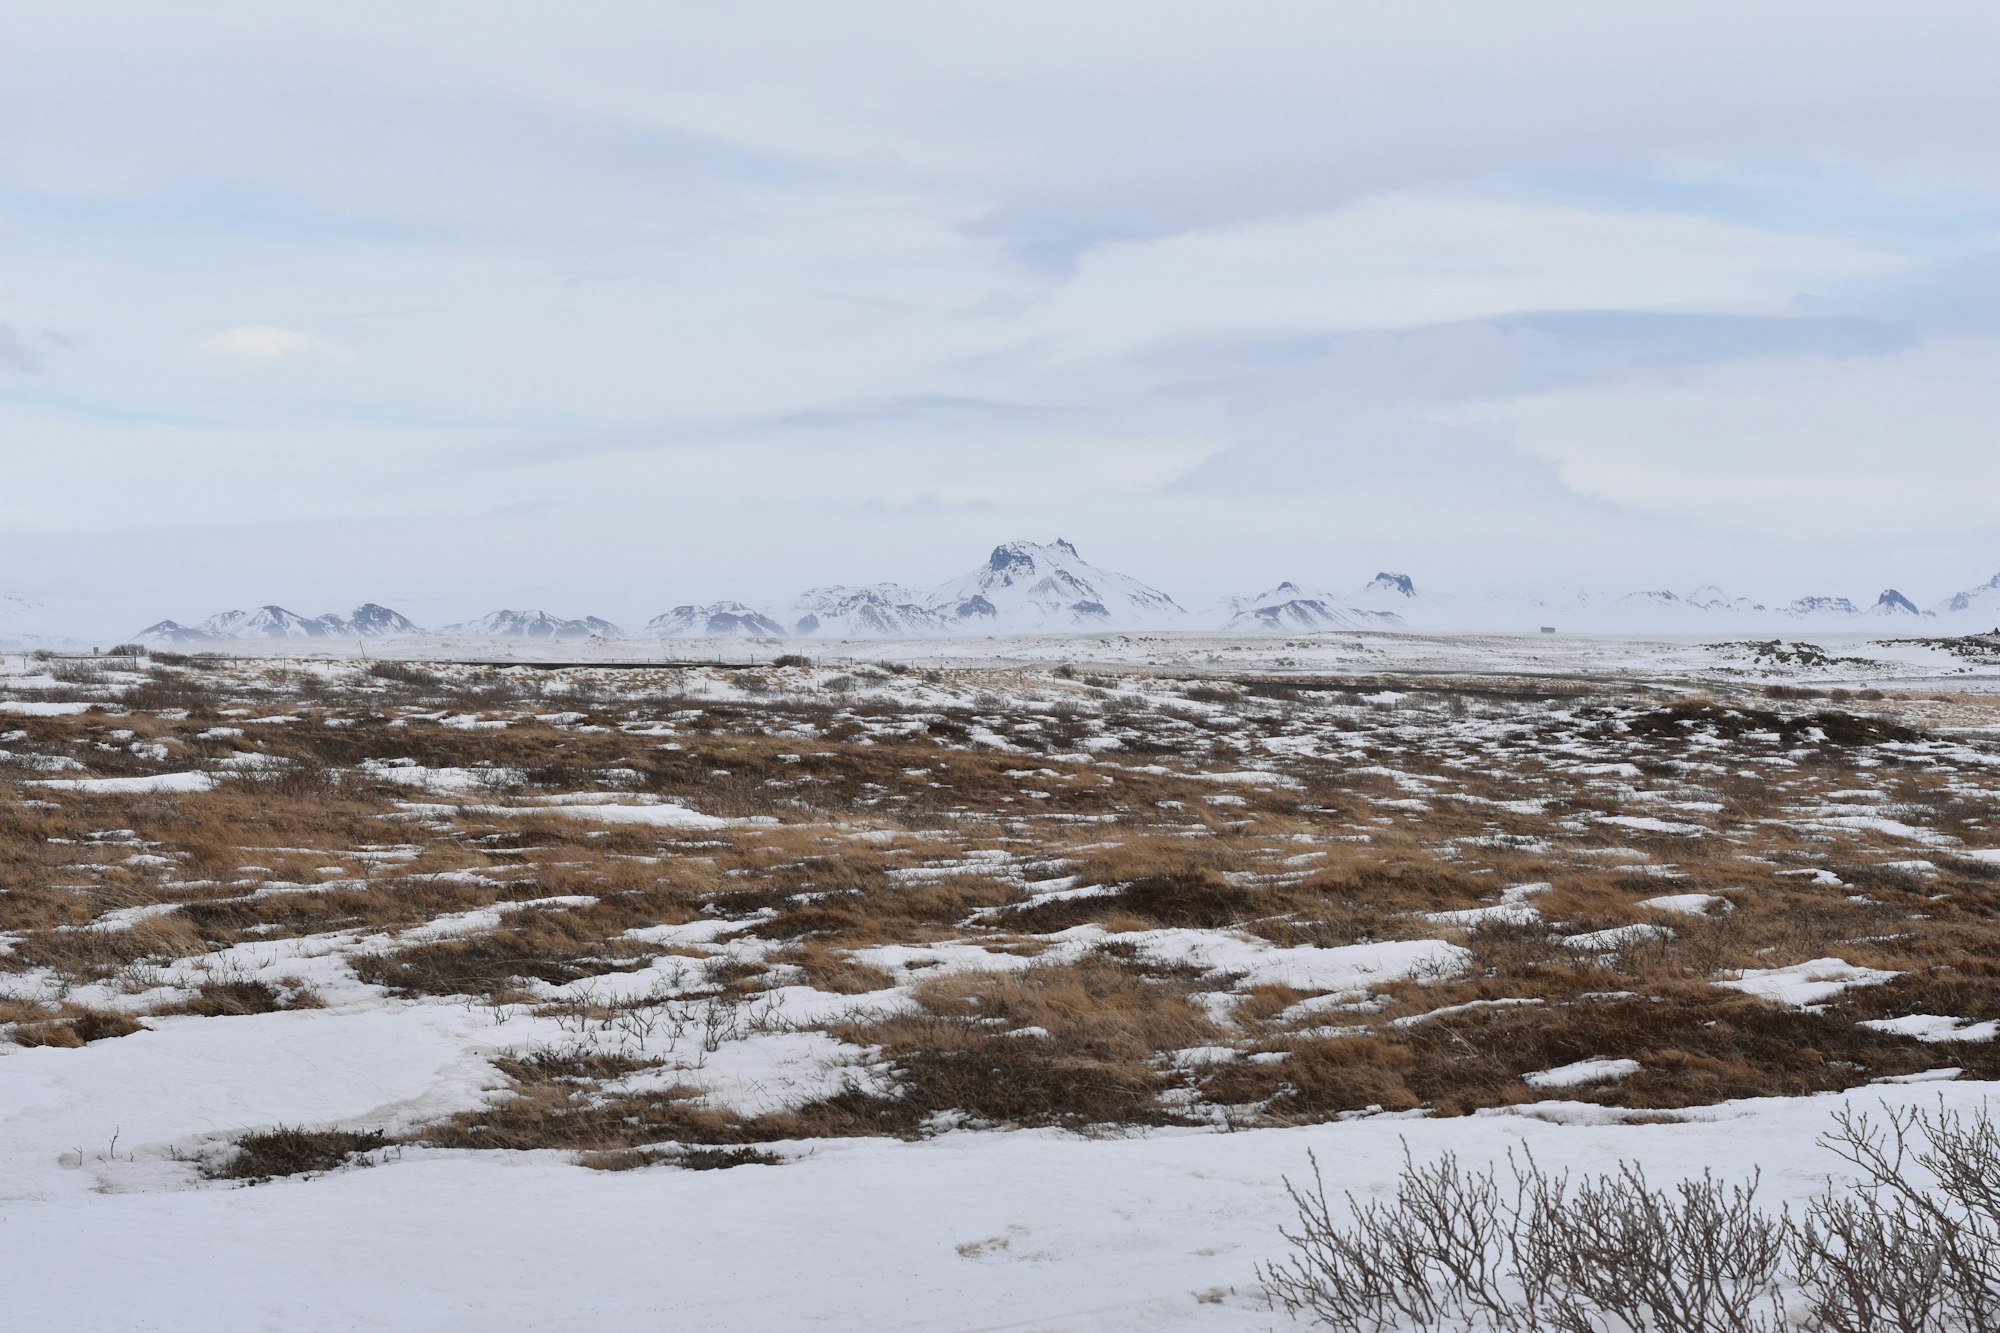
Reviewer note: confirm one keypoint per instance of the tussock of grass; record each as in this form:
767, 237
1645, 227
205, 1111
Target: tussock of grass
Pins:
248, 995
292, 1151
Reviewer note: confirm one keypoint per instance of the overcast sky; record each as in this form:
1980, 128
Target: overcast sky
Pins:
607, 307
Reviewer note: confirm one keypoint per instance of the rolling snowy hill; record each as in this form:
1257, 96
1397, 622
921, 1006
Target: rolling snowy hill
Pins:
1290, 608
535, 625
717, 619
882, 610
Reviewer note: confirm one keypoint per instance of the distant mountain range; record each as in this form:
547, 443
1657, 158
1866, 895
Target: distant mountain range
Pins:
368, 621
1022, 588
1029, 587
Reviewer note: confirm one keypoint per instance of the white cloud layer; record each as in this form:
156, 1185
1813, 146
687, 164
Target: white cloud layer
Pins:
685, 298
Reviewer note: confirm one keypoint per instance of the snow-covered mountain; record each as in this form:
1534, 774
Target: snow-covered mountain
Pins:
167, 633
535, 625
1708, 597
1893, 603
1652, 599
370, 621
1026, 586
1810, 607
367, 621
1290, 608
1023, 587
881, 610
717, 618
266, 622
1981, 603
1394, 587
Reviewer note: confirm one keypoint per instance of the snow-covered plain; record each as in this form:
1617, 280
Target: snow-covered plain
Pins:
968, 1232
1850, 660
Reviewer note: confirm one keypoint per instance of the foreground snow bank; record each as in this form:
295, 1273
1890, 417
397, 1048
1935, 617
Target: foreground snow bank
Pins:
969, 1231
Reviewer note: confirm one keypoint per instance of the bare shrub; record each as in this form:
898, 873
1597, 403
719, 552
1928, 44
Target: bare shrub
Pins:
76, 671
170, 689
403, 673
1913, 1246
1916, 1246
299, 779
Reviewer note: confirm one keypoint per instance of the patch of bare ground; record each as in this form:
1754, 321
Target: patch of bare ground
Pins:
984, 862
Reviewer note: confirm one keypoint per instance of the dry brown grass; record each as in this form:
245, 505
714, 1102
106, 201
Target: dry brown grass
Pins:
867, 838
1075, 1045
556, 946
64, 1024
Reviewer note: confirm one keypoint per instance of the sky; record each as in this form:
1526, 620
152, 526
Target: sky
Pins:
606, 308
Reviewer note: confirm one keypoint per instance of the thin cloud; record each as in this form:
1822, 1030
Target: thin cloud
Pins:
263, 345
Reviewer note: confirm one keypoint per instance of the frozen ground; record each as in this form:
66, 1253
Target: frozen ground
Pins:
1331, 895
1029, 1230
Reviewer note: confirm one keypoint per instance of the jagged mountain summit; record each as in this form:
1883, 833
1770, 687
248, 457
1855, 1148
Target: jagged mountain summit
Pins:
717, 619
1823, 606
1023, 587
1029, 586
1893, 603
1290, 608
882, 610
535, 625
367, 621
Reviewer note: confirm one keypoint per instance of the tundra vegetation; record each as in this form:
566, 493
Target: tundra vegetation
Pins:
1098, 899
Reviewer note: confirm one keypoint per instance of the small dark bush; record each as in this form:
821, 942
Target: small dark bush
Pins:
224, 999
287, 1151
1193, 898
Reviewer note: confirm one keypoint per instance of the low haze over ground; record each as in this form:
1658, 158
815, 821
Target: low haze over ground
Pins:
623, 306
